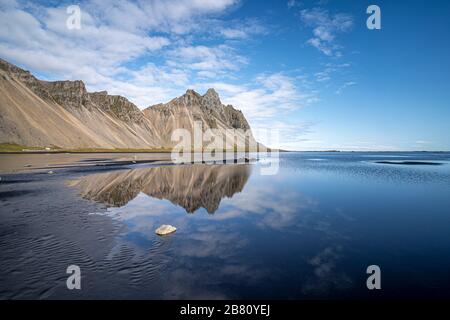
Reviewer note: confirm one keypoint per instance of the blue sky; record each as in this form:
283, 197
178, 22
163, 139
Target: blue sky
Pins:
310, 69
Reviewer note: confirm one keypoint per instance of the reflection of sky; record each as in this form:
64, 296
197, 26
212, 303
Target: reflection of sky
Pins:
308, 231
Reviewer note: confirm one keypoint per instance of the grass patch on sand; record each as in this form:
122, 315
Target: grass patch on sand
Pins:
13, 147
119, 150
16, 148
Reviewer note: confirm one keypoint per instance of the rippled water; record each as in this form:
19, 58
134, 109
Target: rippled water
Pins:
310, 231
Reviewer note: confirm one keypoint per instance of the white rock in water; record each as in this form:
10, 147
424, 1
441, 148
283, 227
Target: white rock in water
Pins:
165, 229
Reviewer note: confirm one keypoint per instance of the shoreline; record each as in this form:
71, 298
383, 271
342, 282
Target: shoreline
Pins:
47, 162
125, 151
10, 148
119, 151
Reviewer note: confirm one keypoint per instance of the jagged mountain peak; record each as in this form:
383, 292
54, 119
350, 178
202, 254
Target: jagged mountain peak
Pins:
191, 98
191, 92
211, 98
211, 93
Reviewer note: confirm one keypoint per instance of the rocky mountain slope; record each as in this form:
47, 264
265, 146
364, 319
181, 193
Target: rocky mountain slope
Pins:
39, 113
183, 111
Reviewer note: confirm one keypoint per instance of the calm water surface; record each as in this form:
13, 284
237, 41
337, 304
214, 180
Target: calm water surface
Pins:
310, 231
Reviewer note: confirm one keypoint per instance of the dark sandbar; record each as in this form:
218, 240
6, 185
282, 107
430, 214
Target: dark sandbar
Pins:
411, 163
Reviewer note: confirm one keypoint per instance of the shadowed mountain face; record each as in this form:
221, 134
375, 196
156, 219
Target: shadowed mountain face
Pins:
189, 186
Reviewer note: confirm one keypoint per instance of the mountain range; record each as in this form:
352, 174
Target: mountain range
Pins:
63, 114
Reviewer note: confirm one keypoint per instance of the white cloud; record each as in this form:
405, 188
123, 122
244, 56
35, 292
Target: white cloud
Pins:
66, 50
267, 102
238, 30
326, 26
291, 135
215, 60
113, 35
267, 96
175, 16
423, 142
335, 75
345, 85
322, 76
293, 3
234, 33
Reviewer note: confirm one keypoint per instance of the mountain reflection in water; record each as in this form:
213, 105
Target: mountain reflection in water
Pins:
189, 186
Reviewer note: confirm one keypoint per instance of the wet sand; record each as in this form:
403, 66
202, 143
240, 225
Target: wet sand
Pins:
26, 162
46, 225
40, 218
46, 161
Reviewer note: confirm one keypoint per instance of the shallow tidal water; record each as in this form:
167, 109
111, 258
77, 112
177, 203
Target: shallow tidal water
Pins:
307, 232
